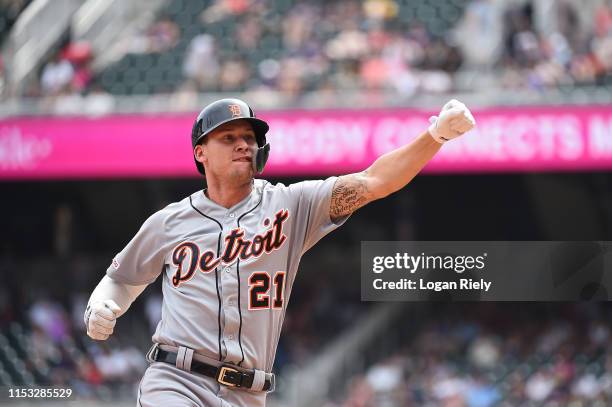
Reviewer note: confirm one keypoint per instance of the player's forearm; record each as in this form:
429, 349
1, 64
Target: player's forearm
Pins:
395, 169
122, 294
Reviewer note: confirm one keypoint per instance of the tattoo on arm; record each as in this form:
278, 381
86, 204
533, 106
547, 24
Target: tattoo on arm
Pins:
349, 194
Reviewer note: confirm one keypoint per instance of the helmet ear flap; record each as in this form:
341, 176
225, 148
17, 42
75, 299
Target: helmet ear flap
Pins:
261, 157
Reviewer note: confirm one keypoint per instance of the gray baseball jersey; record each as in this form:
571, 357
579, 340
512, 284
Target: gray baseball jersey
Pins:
228, 273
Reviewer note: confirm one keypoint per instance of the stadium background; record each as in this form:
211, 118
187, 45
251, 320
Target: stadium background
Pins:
71, 66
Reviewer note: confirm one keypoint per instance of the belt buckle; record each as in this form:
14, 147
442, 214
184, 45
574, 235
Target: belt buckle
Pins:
221, 376
272, 383
152, 353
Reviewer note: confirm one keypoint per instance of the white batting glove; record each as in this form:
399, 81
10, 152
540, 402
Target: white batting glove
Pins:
100, 319
454, 120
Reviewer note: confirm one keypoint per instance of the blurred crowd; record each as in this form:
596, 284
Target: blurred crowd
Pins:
505, 359
320, 46
391, 45
399, 47
566, 53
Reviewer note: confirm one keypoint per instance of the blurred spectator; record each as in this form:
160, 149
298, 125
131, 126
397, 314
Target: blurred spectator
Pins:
380, 9
220, 9
374, 72
185, 97
50, 317
484, 353
249, 33
587, 387
348, 44
481, 394
297, 28
82, 77
41, 347
79, 54
56, 75
98, 102
602, 41
290, 79
68, 103
163, 35
117, 364
361, 393
539, 386
160, 37
384, 377
234, 74
522, 44
479, 34
603, 19
88, 372
201, 64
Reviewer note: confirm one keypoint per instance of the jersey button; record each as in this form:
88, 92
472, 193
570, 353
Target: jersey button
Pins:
230, 303
232, 215
230, 337
227, 269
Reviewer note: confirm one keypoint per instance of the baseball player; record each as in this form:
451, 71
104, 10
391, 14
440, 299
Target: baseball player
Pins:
229, 255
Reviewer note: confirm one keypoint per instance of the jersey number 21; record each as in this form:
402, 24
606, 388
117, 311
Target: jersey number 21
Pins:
259, 290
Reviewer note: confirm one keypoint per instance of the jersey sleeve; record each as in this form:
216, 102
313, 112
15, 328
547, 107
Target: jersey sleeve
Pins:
313, 210
142, 260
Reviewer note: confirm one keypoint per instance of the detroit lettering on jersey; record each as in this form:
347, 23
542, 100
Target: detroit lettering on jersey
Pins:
236, 247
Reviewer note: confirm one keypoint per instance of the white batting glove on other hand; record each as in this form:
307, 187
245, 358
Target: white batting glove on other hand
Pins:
100, 319
454, 120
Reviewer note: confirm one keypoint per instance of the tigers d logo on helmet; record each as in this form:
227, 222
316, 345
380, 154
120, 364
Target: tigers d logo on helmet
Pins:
235, 110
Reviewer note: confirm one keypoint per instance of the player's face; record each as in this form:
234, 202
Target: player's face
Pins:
228, 151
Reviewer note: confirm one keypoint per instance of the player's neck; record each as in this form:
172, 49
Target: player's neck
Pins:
227, 196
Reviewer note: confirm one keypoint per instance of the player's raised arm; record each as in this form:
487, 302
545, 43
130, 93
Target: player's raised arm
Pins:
392, 171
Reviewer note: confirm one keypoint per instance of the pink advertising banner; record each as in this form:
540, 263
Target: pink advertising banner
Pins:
308, 143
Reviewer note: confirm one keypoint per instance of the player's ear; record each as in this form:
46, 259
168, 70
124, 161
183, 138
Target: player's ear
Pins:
199, 153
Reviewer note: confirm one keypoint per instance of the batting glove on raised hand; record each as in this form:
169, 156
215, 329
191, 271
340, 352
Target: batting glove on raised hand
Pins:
454, 120
100, 319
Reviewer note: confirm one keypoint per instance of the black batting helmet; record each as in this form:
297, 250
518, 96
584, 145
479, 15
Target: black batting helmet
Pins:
224, 111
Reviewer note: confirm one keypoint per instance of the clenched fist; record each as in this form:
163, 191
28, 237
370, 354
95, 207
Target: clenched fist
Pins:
100, 319
454, 120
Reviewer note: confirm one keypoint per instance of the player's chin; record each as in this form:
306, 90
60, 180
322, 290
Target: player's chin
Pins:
243, 172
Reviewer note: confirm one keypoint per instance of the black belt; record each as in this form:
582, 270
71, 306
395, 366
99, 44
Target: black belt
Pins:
224, 374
